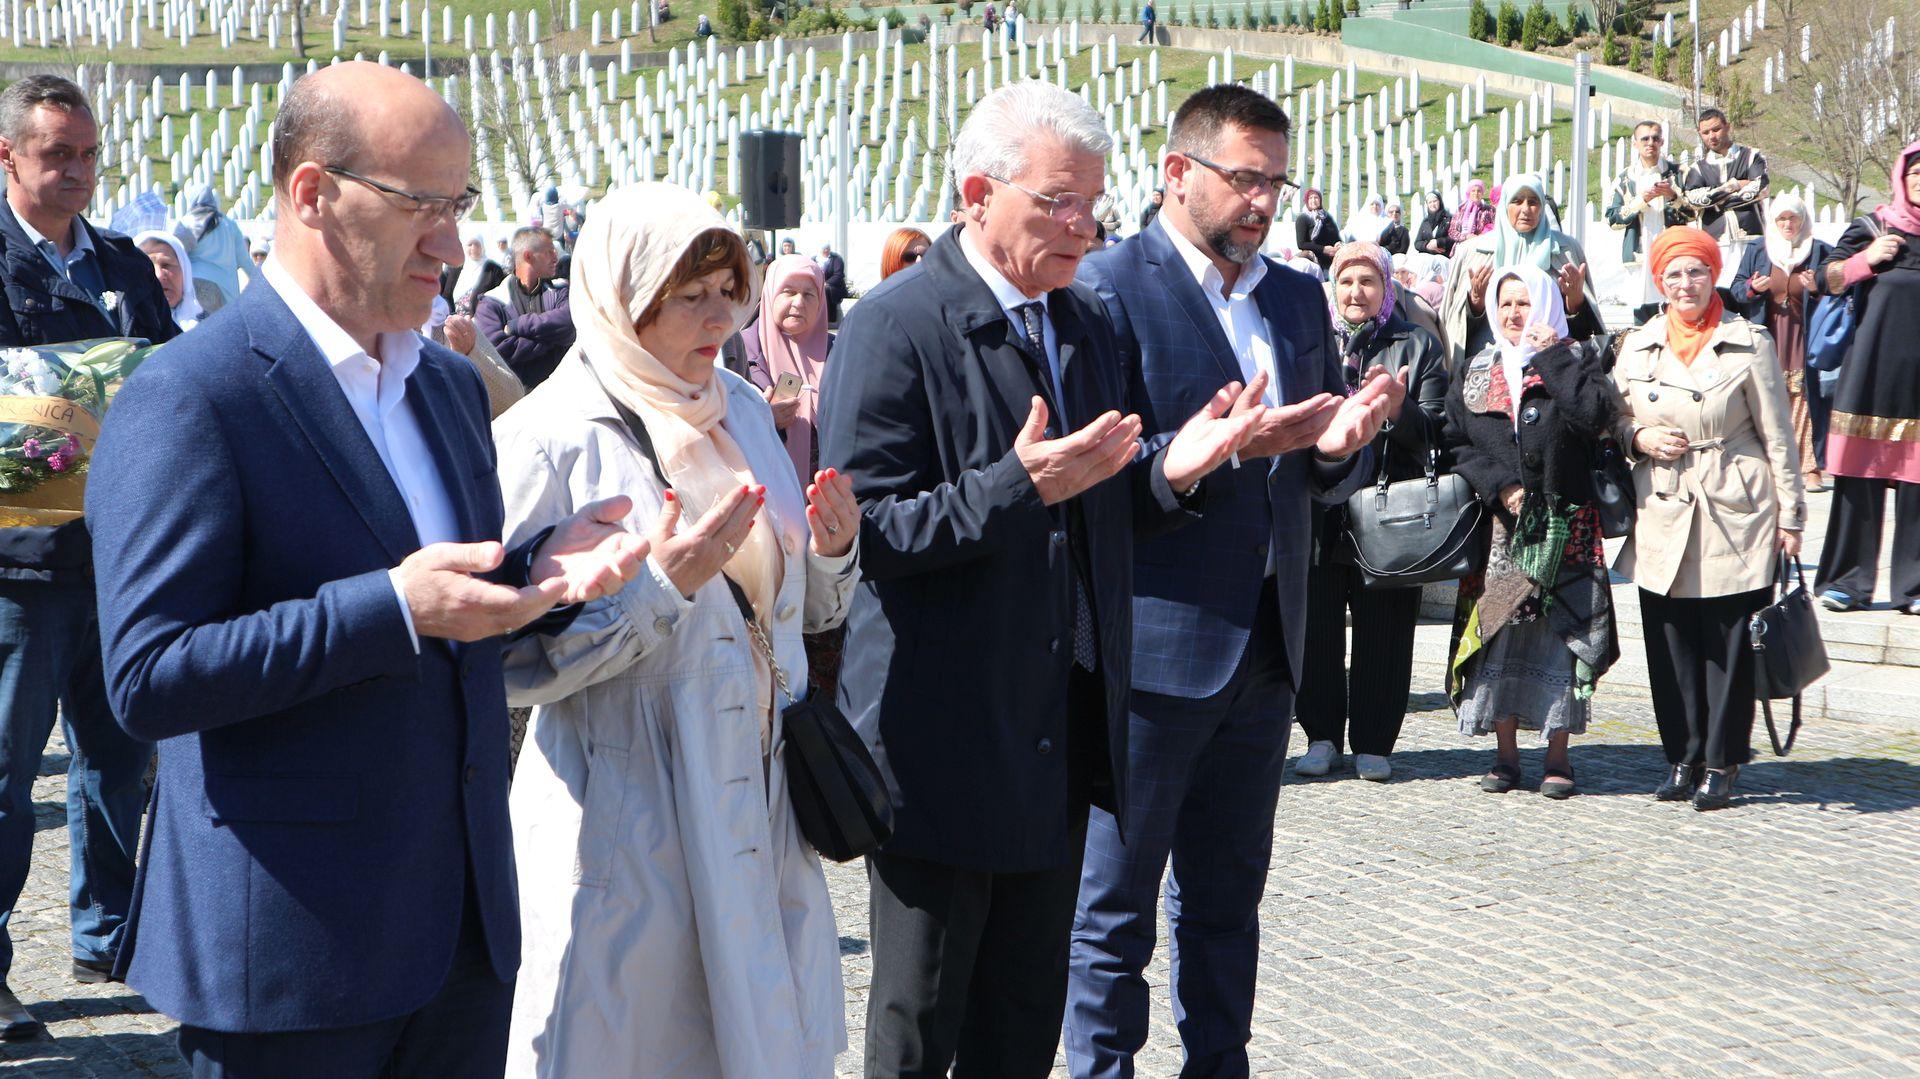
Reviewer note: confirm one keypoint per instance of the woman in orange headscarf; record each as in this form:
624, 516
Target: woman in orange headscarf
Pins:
1717, 480
903, 249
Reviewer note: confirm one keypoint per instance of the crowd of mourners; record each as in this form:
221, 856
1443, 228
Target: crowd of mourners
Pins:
1069, 529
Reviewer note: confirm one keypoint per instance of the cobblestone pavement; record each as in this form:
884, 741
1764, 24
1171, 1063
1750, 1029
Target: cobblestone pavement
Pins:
1424, 927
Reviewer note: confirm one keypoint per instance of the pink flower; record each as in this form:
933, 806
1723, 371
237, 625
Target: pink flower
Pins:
31, 447
59, 459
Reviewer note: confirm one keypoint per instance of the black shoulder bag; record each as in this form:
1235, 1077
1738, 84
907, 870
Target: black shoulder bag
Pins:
1788, 653
1416, 531
839, 794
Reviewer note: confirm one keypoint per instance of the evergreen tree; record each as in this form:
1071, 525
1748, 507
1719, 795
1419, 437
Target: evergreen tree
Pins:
1479, 21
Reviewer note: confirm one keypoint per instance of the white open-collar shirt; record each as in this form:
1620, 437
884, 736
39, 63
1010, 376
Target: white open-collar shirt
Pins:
1012, 300
1236, 310
376, 389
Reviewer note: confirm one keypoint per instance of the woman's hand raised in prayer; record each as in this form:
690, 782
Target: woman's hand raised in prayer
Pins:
832, 513
691, 558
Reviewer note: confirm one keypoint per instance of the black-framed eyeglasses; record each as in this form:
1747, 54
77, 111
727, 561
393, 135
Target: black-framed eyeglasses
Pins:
425, 207
1250, 182
908, 258
1067, 207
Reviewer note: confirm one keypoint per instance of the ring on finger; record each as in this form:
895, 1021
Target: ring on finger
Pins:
833, 530
731, 550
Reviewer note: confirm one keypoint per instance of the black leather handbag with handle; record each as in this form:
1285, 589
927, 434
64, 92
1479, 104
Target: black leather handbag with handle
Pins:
839, 794
1415, 531
1613, 490
1788, 653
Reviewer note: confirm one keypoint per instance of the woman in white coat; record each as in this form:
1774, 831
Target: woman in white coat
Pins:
675, 922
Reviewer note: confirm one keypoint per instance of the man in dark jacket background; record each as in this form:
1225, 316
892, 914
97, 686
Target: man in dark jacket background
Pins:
526, 317
976, 403
834, 269
65, 281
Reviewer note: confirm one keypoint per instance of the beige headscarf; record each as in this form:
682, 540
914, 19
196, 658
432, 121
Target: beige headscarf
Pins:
626, 251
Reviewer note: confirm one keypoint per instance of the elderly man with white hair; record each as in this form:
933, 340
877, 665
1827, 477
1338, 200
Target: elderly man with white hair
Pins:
978, 405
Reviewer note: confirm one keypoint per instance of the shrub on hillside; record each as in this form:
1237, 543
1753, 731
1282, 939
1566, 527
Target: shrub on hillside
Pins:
1610, 52
1479, 21
1507, 29
1636, 58
1662, 56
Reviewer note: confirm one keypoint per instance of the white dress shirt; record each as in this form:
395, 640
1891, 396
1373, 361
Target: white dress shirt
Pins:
1012, 300
1236, 310
376, 388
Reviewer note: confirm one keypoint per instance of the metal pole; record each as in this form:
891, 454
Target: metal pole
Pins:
1582, 122
1693, 7
843, 165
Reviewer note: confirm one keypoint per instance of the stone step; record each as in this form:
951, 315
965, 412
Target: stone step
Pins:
1880, 693
1880, 636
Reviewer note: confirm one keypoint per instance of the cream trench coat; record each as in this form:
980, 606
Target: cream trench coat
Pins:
1707, 522
675, 923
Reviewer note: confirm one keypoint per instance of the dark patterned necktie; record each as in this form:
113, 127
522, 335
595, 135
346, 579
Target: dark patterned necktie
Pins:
1085, 650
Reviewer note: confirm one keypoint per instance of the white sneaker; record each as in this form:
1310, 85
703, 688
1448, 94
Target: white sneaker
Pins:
1319, 759
1372, 766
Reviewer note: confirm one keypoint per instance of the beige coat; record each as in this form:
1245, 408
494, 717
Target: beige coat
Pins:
674, 922
1707, 522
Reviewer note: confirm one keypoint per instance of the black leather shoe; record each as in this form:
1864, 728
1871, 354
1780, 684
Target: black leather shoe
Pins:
1680, 784
92, 971
1716, 789
16, 1023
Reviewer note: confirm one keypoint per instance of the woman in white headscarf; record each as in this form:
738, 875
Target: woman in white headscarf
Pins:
674, 919
213, 241
1534, 631
1524, 232
1367, 226
175, 272
1777, 287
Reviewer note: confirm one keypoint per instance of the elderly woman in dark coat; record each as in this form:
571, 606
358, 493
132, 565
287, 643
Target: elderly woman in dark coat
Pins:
1315, 232
1368, 322
1535, 631
1434, 237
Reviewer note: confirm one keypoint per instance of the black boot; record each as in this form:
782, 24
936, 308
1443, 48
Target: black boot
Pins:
1716, 789
1680, 783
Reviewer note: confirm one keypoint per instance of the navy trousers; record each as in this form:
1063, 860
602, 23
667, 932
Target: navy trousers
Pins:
1203, 778
50, 666
459, 1034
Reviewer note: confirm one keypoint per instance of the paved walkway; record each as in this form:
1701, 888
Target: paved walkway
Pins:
1423, 927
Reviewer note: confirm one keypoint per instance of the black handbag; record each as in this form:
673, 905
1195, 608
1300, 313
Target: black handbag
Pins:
839, 794
1613, 489
1788, 653
1415, 531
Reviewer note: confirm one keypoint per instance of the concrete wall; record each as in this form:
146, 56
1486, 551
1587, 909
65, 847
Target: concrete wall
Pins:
1414, 44
1438, 58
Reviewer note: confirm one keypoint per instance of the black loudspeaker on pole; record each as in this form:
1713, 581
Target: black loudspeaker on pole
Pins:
770, 179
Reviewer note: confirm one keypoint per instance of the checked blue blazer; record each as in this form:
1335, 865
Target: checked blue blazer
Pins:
1195, 589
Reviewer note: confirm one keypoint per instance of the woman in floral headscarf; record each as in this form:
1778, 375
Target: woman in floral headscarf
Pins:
1372, 333
671, 911
1873, 434
1534, 632
1523, 232
1475, 215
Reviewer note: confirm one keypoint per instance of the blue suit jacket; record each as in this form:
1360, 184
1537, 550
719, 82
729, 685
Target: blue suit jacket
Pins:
324, 791
1195, 589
